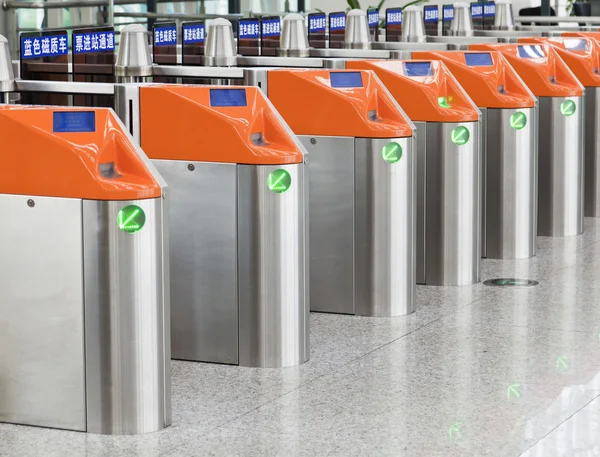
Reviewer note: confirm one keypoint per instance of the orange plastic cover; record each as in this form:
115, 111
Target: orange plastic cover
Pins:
489, 86
433, 97
546, 75
361, 108
38, 158
580, 54
179, 123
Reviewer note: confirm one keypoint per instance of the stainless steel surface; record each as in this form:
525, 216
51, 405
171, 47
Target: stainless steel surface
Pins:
356, 34
461, 24
504, 19
350, 53
294, 39
553, 19
385, 207
561, 158
127, 107
42, 380
404, 46
332, 223
507, 36
220, 49
272, 268
203, 246
461, 42
65, 87
199, 72
7, 75
511, 157
133, 56
127, 324
483, 130
592, 152
420, 195
285, 62
449, 205
413, 27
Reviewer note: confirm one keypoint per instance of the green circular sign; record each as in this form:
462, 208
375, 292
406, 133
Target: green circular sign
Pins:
443, 102
279, 181
460, 135
518, 120
392, 152
131, 219
567, 108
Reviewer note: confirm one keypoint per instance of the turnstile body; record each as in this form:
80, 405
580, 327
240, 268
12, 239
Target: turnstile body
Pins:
237, 224
362, 189
449, 182
84, 294
510, 150
561, 123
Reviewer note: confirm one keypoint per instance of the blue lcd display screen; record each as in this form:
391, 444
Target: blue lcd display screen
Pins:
346, 79
73, 121
413, 69
480, 59
531, 52
228, 97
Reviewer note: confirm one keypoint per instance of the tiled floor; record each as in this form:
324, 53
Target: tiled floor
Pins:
476, 371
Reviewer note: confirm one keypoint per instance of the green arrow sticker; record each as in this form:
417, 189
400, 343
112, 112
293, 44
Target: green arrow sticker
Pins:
513, 391
460, 135
562, 363
391, 152
279, 181
131, 219
518, 120
455, 431
567, 108
444, 102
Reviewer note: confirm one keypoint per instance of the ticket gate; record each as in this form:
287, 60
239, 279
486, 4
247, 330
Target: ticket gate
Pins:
582, 55
84, 293
362, 189
561, 124
449, 181
510, 123
237, 223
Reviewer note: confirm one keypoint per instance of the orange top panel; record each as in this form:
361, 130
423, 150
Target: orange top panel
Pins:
540, 67
214, 124
336, 103
424, 89
487, 77
59, 152
582, 55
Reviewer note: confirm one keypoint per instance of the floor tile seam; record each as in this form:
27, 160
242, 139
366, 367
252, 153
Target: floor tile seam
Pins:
559, 425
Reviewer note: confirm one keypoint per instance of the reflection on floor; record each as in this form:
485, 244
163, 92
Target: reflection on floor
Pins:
476, 371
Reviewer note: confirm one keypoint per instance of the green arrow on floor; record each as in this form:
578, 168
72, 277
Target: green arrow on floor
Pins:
562, 363
455, 430
513, 391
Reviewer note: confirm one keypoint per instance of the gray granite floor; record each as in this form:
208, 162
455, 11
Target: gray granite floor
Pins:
476, 371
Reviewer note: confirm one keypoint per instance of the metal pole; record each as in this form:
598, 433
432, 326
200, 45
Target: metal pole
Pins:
151, 8
546, 8
234, 6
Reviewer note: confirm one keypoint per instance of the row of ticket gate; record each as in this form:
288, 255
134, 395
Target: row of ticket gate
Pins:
402, 166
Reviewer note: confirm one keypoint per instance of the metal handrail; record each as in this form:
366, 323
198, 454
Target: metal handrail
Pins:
179, 15
554, 19
20, 4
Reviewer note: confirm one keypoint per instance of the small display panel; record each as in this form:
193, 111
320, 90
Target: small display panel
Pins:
447, 16
317, 30
346, 79
479, 59
489, 15
73, 121
415, 69
575, 44
270, 32
249, 37
227, 97
337, 29
164, 49
192, 46
431, 17
93, 41
373, 17
531, 52
393, 24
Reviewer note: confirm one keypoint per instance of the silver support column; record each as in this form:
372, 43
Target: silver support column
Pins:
592, 152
